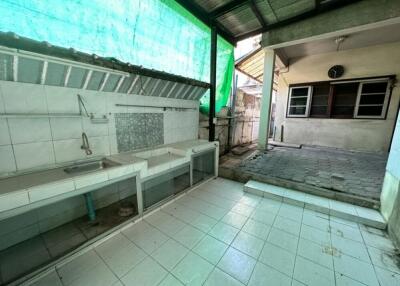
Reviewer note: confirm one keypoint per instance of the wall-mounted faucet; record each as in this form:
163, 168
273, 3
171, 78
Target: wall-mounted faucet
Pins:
85, 144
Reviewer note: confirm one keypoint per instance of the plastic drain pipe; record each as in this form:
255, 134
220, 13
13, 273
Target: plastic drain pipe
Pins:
90, 206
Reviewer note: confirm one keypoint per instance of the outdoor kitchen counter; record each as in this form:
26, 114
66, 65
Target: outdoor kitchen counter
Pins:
29, 188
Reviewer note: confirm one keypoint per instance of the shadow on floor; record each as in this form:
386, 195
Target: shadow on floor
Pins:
40, 250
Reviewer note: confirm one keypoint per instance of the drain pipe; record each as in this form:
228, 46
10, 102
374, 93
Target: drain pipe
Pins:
90, 206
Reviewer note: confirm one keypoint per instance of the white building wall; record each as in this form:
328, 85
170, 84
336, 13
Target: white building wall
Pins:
352, 134
29, 142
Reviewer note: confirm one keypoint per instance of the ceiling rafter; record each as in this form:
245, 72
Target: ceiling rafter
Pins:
228, 7
211, 18
258, 14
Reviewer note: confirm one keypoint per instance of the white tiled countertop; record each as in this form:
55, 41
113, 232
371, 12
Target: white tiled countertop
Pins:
25, 189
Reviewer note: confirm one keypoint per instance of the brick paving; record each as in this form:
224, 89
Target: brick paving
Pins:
355, 173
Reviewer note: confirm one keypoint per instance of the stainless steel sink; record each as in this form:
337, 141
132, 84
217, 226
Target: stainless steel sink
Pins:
90, 166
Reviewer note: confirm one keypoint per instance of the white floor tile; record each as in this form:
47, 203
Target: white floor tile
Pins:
315, 252
237, 264
224, 232
146, 237
312, 274
292, 212
278, 258
234, 219
169, 254
50, 279
210, 249
350, 248
385, 259
263, 216
283, 239
147, 273
264, 275
342, 280
257, 229
345, 231
120, 254
170, 280
355, 269
315, 235
243, 209
219, 278
192, 270
188, 236
248, 244
287, 225
387, 278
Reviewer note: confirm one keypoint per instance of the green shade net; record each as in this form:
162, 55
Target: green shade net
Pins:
156, 34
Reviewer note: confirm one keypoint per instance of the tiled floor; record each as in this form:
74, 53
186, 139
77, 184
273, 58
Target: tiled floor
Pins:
218, 235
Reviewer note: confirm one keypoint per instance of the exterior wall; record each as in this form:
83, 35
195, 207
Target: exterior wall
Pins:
29, 143
352, 134
247, 121
390, 197
34, 143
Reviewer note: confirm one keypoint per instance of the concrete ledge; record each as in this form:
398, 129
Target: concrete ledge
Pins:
243, 177
334, 208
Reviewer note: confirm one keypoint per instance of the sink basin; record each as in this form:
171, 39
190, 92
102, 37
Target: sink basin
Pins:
90, 166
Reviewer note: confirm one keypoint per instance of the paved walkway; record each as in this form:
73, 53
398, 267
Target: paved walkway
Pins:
354, 173
217, 235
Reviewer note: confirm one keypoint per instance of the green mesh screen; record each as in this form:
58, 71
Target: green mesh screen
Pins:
157, 34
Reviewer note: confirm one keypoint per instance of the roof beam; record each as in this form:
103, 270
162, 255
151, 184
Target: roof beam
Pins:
258, 14
201, 14
228, 7
320, 9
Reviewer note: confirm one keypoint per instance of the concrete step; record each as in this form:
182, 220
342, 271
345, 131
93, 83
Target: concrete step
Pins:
366, 216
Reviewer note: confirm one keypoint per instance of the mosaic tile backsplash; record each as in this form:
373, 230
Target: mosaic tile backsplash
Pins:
139, 130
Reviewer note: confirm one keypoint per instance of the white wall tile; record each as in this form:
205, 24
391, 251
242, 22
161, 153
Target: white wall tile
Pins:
113, 144
7, 159
32, 155
95, 102
24, 97
94, 129
111, 125
2, 110
99, 146
62, 100
68, 150
66, 128
26, 130
4, 134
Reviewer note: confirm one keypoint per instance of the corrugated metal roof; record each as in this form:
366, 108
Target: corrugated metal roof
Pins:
239, 19
252, 65
28, 61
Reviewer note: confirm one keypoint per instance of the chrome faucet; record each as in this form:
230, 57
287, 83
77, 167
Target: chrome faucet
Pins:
85, 144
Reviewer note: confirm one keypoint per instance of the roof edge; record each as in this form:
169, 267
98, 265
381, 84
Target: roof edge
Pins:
12, 40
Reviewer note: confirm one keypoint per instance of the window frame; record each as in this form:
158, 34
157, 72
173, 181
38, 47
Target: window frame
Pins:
388, 78
307, 111
385, 101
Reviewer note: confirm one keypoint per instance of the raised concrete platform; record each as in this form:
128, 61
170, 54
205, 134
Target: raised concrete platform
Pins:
335, 208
